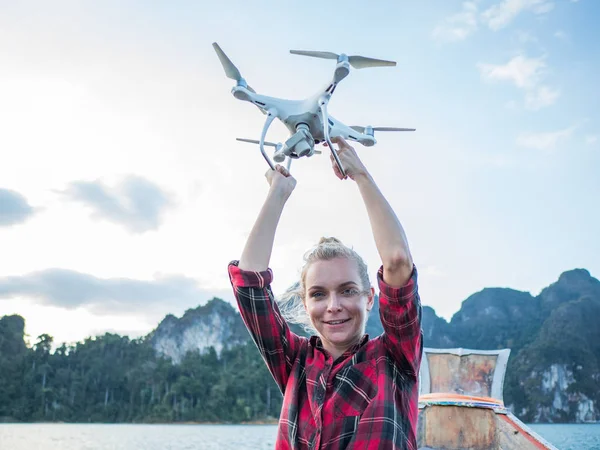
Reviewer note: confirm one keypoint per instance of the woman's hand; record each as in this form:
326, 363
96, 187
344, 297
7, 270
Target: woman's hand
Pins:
351, 163
281, 181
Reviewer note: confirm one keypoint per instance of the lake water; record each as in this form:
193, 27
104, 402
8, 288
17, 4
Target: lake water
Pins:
208, 437
570, 437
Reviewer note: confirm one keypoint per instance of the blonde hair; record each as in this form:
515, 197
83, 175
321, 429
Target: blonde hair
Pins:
291, 302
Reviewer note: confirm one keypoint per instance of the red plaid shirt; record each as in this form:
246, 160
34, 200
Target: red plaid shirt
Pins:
367, 398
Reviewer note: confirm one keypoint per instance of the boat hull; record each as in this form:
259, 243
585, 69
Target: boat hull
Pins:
454, 425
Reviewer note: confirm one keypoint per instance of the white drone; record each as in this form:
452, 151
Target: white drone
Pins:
307, 120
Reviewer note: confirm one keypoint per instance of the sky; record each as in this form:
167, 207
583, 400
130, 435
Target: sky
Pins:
124, 194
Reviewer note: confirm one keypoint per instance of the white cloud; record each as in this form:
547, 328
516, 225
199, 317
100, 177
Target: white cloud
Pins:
522, 71
458, 26
146, 299
544, 141
543, 8
560, 34
14, 208
526, 74
525, 37
464, 23
591, 139
541, 97
500, 15
136, 203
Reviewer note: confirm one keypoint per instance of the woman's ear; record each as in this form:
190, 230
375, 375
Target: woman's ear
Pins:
371, 299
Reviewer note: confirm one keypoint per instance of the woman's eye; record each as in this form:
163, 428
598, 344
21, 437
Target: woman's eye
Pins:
316, 294
350, 292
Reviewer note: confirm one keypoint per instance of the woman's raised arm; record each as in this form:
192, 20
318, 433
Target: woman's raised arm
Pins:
388, 233
399, 302
259, 246
251, 281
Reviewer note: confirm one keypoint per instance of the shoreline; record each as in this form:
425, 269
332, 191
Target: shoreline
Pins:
254, 422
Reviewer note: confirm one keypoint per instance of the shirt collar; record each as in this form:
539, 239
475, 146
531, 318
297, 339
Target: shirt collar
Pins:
316, 342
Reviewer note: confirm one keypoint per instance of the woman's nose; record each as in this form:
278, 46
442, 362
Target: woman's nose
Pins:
334, 303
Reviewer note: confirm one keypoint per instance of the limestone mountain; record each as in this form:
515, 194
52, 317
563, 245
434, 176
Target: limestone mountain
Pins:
554, 368
556, 377
436, 331
553, 372
496, 318
216, 324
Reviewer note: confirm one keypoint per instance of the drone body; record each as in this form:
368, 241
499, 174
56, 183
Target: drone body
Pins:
307, 120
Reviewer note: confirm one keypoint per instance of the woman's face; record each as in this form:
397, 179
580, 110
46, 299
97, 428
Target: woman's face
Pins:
336, 302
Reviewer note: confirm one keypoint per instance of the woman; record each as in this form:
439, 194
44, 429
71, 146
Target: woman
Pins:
342, 390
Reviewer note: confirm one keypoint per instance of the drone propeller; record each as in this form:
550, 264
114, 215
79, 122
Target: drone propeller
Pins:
356, 61
230, 70
363, 129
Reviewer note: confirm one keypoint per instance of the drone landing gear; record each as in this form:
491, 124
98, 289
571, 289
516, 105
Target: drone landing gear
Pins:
323, 108
270, 117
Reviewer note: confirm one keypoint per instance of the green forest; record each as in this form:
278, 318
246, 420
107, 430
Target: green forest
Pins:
111, 378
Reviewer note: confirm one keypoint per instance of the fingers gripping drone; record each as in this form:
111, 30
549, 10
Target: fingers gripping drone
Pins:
307, 120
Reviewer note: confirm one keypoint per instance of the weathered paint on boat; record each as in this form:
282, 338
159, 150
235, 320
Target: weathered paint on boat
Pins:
461, 403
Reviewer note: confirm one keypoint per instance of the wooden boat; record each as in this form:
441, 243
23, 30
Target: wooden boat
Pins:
461, 403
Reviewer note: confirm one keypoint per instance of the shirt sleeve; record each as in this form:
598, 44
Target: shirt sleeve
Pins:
400, 312
277, 344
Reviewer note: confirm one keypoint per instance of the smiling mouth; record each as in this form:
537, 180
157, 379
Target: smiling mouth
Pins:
337, 322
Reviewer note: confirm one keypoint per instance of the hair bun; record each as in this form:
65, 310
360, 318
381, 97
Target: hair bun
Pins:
329, 240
